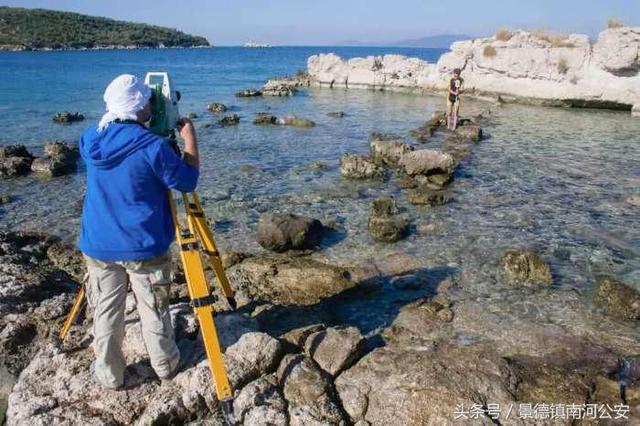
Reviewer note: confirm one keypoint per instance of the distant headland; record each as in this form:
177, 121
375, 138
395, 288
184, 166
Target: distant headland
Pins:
41, 29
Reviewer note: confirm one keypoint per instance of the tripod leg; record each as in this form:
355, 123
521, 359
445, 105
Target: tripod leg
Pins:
202, 301
78, 301
206, 237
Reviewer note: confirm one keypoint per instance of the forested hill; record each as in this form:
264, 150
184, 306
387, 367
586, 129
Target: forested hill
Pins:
25, 29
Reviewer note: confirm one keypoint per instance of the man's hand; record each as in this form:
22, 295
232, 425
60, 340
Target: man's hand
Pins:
186, 129
188, 134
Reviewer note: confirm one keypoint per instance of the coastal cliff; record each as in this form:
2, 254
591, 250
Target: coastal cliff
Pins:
519, 66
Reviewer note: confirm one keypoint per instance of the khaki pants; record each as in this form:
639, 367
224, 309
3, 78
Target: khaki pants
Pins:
107, 293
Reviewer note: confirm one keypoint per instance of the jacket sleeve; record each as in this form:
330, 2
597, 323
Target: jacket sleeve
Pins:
171, 169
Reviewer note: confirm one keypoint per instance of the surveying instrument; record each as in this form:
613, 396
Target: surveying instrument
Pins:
193, 237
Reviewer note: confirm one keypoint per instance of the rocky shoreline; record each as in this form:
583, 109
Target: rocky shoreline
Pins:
436, 345
525, 67
23, 48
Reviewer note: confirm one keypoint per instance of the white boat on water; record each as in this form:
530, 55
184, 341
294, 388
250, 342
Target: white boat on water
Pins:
254, 44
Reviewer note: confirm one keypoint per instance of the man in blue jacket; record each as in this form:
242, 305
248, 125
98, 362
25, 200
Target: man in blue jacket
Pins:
127, 226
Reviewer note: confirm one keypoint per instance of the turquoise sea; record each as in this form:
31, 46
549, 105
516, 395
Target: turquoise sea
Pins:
554, 180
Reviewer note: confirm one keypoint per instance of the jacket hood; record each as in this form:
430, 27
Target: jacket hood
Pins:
107, 149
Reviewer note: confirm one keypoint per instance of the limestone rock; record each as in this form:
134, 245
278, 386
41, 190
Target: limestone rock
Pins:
335, 349
309, 392
531, 67
261, 403
229, 120
298, 336
265, 119
67, 258
294, 121
278, 88
254, 355
359, 167
385, 224
249, 93
60, 158
15, 160
216, 107
66, 117
426, 162
618, 298
283, 280
425, 196
522, 267
418, 386
470, 132
282, 232
633, 200
387, 149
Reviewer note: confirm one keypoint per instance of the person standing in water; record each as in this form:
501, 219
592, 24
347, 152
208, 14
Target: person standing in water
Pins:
455, 89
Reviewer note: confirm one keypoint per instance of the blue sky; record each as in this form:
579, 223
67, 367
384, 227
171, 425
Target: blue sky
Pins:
325, 22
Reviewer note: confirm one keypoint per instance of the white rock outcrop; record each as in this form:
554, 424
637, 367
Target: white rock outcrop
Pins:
521, 67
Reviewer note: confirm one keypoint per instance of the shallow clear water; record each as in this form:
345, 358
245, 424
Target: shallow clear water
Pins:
550, 179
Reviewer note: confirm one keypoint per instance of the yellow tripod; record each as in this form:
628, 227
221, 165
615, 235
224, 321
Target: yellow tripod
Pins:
194, 236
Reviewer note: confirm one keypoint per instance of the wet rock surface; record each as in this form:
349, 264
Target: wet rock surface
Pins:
15, 160
216, 107
385, 223
387, 149
66, 117
60, 158
294, 121
249, 93
229, 120
618, 298
283, 231
523, 267
359, 167
279, 87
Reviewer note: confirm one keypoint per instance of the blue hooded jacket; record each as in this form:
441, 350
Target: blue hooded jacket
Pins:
126, 213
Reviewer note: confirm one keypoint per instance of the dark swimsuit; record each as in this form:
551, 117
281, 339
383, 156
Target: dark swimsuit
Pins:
454, 84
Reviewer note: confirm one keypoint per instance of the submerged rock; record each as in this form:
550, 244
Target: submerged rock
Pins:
294, 121
282, 232
268, 119
283, 280
385, 224
192, 116
523, 267
427, 196
387, 149
335, 349
216, 107
336, 114
618, 298
229, 120
15, 160
265, 119
359, 167
249, 93
66, 117
4, 198
634, 200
